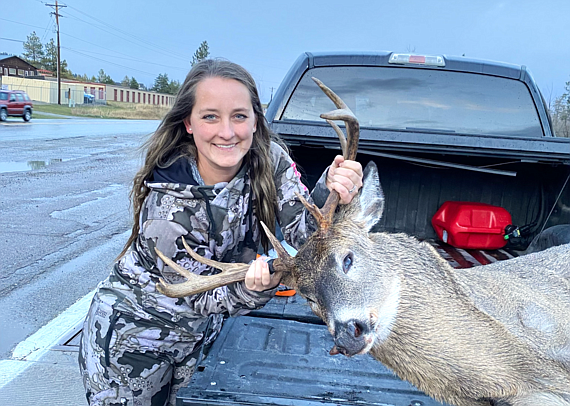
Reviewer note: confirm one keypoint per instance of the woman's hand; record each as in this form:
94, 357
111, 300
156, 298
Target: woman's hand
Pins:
258, 277
345, 177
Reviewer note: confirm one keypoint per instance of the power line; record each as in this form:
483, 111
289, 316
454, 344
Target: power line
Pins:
17, 22
112, 63
128, 59
15, 40
46, 31
141, 42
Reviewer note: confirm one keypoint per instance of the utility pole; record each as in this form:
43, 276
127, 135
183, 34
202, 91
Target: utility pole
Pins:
58, 50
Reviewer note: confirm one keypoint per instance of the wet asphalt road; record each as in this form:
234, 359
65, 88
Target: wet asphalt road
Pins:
64, 213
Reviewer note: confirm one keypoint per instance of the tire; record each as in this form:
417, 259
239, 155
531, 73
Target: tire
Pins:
27, 115
3, 115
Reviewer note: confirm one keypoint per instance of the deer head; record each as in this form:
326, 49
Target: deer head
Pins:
331, 267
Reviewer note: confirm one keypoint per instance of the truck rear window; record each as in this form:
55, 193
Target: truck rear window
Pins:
421, 99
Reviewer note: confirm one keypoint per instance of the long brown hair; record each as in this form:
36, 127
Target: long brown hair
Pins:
171, 141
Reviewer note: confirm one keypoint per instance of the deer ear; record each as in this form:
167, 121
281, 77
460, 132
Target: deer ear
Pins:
371, 199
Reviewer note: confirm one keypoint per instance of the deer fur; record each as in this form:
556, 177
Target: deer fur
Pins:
497, 334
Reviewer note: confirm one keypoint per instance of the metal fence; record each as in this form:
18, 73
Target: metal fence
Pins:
71, 94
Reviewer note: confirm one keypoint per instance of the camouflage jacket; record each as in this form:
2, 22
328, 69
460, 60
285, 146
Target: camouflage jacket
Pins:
216, 221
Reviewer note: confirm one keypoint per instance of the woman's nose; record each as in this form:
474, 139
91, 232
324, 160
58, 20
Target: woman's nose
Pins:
226, 130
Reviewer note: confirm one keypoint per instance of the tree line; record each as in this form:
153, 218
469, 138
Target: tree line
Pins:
44, 56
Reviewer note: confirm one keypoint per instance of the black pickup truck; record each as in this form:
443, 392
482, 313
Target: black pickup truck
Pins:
439, 129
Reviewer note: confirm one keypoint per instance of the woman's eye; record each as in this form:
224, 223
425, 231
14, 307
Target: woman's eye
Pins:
347, 262
241, 116
209, 117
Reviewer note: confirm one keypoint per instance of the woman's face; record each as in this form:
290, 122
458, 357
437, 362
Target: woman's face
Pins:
222, 122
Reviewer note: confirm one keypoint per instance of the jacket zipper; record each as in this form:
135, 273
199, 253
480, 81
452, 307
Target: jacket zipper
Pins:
108, 337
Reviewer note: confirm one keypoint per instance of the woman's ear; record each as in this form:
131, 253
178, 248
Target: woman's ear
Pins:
187, 125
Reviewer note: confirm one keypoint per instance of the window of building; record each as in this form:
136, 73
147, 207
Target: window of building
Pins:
12, 71
20, 72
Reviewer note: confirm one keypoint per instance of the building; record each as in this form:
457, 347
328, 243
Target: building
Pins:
46, 73
11, 65
127, 95
73, 92
40, 84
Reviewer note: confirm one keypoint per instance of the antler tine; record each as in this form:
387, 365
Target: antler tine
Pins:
198, 283
349, 148
281, 252
341, 136
338, 102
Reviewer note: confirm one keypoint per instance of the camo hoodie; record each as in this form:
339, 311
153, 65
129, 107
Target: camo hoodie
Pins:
219, 223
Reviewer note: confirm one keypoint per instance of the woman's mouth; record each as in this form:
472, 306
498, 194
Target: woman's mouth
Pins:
227, 146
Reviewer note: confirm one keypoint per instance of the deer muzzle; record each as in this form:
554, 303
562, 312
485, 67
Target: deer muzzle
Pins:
351, 338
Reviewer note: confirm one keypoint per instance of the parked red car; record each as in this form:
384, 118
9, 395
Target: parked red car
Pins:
15, 103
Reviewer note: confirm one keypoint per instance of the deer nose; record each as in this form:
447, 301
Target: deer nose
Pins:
355, 328
350, 337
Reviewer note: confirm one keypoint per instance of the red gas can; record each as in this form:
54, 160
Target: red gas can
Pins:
471, 225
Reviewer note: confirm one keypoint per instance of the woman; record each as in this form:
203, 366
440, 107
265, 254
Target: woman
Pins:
213, 170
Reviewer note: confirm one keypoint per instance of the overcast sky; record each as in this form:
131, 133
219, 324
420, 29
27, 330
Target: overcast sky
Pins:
144, 38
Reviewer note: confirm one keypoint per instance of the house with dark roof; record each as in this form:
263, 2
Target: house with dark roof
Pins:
11, 65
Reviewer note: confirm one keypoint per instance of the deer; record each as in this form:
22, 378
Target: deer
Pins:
491, 335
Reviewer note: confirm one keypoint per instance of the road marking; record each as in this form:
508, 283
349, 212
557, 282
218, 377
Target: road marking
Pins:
35, 346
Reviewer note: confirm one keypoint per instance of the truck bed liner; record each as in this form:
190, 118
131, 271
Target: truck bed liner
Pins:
278, 355
261, 361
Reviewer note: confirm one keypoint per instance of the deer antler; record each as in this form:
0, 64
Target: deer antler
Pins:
349, 149
231, 272
236, 272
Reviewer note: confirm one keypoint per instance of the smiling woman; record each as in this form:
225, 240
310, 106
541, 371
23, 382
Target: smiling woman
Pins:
213, 172
222, 123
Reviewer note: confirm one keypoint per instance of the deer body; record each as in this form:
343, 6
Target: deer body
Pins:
467, 335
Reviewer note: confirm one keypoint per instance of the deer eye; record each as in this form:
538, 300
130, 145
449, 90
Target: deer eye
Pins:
347, 262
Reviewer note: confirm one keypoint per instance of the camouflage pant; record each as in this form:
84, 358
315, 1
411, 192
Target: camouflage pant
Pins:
127, 361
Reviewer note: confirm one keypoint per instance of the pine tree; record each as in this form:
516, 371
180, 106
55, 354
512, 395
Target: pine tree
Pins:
102, 77
126, 82
161, 83
34, 52
201, 53
134, 84
49, 59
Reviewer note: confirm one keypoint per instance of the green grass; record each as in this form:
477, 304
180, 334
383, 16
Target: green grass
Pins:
37, 114
112, 110
52, 108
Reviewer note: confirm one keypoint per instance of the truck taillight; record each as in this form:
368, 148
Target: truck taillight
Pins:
432, 60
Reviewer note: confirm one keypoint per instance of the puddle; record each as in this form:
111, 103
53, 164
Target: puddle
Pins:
28, 165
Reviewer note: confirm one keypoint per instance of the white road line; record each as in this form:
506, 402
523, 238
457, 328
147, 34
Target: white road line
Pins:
35, 346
